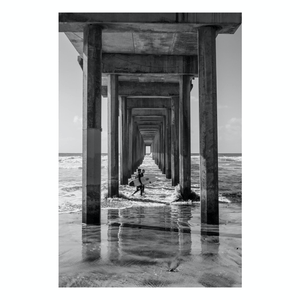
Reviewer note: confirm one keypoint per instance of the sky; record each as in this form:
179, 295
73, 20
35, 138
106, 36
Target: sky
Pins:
229, 98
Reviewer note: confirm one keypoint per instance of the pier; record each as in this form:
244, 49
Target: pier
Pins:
144, 63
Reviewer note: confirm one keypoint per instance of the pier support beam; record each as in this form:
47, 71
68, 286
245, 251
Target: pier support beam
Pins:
129, 138
168, 143
163, 145
124, 141
113, 137
208, 125
134, 146
174, 141
91, 152
184, 136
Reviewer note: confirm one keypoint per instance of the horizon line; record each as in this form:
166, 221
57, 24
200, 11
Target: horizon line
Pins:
151, 152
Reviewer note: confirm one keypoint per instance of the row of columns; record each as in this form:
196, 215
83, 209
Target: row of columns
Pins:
174, 130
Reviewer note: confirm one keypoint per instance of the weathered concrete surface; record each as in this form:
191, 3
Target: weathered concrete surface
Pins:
163, 146
168, 144
174, 140
184, 137
128, 71
148, 102
147, 118
150, 113
129, 138
148, 125
124, 141
145, 89
91, 157
138, 147
208, 126
134, 138
113, 136
150, 22
145, 77
149, 64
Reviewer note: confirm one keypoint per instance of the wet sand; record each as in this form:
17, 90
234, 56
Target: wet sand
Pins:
137, 246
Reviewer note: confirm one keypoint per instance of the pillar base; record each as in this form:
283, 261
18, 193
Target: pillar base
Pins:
91, 208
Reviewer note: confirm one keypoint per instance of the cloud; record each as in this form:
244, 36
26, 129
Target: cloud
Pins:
234, 126
194, 99
231, 131
222, 106
77, 120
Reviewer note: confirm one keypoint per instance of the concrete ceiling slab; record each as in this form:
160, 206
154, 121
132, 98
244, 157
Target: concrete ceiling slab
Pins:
150, 22
146, 33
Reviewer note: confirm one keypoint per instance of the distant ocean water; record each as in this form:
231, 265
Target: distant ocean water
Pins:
70, 180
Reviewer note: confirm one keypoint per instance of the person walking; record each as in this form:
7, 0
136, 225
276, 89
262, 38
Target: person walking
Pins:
141, 186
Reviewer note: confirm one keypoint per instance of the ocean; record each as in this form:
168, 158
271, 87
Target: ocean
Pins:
149, 241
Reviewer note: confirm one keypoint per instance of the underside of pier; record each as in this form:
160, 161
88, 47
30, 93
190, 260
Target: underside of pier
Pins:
144, 63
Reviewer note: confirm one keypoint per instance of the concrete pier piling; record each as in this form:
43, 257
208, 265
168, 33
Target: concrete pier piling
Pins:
174, 140
124, 173
144, 63
184, 137
91, 154
208, 125
113, 136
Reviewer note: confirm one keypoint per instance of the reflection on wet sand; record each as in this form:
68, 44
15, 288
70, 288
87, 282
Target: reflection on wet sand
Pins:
91, 242
155, 247
113, 236
135, 237
139, 238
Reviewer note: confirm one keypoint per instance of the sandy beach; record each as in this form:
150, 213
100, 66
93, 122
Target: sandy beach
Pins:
132, 249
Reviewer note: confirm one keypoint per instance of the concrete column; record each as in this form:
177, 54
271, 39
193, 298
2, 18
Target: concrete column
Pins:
91, 148
174, 140
137, 147
155, 156
157, 149
141, 148
184, 136
208, 125
113, 138
134, 140
154, 149
161, 149
124, 142
168, 144
164, 145
129, 138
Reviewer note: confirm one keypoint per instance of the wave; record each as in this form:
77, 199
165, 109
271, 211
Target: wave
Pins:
160, 193
68, 207
233, 197
72, 188
125, 200
230, 158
